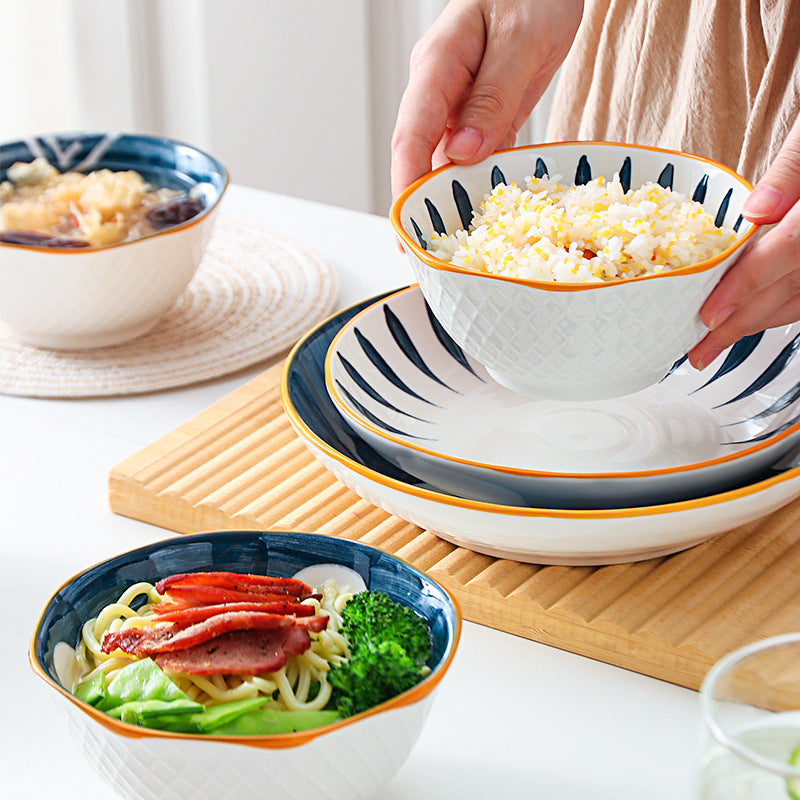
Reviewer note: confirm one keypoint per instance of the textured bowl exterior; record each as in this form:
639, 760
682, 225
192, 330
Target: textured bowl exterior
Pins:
570, 345
104, 296
348, 759
346, 763
559, 340
94, 297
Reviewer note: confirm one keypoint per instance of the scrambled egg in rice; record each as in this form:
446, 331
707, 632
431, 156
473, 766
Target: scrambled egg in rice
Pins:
588, 233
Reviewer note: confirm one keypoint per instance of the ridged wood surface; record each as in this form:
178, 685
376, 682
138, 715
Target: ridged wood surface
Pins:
239, 465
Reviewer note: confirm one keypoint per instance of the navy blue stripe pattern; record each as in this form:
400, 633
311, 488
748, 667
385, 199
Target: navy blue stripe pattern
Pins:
420, 238
583, 174
368, 389
700, 190
772, 371
436, 217
409, 350
310, 399
161, 161
463, 204
403, 340
743, 355
719, 220
372, 418
449, 345
737, 355
667, 176
784, 401
380, 364
625, 174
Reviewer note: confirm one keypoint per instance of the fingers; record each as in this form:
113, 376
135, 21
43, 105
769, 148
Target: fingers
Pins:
511, 59
779, 189
524, 46
761, 290
768, 309
475, 78
443, 64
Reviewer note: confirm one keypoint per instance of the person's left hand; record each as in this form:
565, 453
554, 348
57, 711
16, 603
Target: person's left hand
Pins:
762, 289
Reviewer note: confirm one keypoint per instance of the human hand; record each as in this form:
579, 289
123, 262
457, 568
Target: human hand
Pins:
762, 289
475, 77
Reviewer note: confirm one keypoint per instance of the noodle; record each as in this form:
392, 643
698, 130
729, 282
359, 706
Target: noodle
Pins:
300, 685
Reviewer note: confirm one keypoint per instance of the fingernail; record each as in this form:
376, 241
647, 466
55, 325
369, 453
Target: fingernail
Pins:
763, 201
706, 359
463, 144
720, 317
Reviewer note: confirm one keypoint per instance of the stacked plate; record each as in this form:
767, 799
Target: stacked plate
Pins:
393, 407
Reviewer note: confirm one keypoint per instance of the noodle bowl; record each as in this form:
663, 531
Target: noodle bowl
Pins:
348, 759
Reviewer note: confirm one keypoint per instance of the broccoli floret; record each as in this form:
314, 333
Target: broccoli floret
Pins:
375, 617
374, 673
389, 646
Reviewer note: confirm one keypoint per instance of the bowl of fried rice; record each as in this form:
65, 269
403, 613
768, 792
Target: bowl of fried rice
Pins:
574, 271
100, 234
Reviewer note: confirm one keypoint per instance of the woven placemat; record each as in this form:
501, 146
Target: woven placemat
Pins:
255, 293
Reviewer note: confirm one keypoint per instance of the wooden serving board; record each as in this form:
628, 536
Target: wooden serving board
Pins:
240, 465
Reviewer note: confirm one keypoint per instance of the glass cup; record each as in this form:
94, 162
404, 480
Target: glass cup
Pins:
750, 706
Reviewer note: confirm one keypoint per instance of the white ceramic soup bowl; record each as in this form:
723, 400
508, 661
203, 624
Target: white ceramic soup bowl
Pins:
570, 341
62, 298
347, 760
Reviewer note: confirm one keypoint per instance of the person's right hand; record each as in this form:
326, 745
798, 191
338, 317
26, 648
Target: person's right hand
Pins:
475, 77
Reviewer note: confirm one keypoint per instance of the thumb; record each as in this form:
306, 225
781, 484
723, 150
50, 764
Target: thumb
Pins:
779, 189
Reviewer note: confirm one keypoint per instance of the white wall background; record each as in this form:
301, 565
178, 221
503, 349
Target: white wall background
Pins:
293, 97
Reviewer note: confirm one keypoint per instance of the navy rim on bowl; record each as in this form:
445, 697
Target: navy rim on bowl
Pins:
163, 162
271, 553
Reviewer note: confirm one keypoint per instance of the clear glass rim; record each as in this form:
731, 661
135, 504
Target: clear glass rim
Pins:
717, 671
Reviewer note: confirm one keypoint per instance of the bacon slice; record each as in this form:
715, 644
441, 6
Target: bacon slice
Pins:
257, 584
214, 595
129, 639
224, 622
143, 642
238, 652
186, 615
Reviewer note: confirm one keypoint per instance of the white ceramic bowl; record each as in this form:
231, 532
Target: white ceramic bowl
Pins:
92, 297
348, 760
409, 390
572, 341
523, 533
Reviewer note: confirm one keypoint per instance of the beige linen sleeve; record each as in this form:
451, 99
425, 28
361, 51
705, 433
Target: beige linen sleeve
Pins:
719, 78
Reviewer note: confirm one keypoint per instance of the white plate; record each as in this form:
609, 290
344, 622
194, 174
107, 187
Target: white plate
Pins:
540, 535
411, 392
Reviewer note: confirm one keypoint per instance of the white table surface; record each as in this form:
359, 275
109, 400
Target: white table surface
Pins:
513, 718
